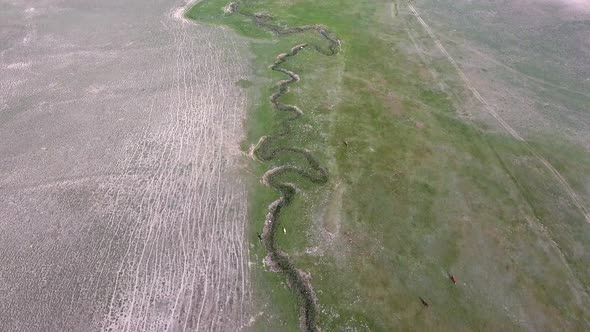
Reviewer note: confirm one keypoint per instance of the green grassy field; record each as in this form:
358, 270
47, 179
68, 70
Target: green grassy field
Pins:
416, 192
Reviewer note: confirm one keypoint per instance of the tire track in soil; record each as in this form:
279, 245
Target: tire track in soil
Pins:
153, 238
183, 267
574, 198
264, 151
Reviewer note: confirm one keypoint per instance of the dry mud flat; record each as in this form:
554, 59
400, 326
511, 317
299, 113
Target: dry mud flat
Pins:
120, 201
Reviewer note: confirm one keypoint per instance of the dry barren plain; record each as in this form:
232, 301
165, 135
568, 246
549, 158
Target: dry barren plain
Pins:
121, 206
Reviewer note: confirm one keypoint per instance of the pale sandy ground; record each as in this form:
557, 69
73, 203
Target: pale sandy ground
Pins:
120, 201
575, 5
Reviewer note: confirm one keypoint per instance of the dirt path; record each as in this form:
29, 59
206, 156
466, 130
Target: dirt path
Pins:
575, 199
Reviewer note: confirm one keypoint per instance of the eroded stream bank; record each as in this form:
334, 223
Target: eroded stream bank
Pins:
266, 151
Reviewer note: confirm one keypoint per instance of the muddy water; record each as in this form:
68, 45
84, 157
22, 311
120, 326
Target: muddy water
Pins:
121, 206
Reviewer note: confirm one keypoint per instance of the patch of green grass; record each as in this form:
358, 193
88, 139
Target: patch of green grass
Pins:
415, 192
244, 84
